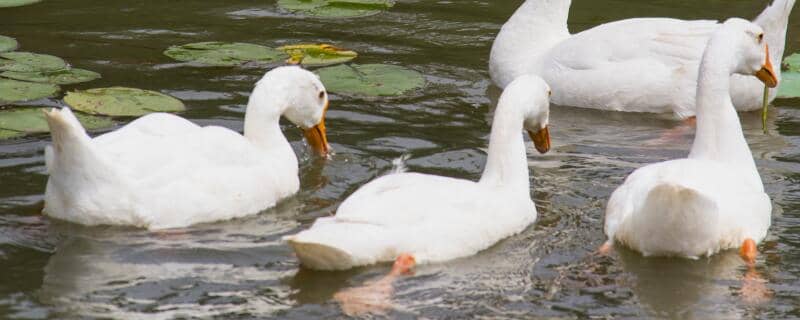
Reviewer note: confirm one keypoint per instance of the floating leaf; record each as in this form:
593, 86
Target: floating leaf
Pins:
792, 63
14, 91
224, 53
336, 8
16, 3
789, 86
30, 62
121, 101
7, 134
370, 79
19, 122
315, 55
66, 76
790, 79
8, 44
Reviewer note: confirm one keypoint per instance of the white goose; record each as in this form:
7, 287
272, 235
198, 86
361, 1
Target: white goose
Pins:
637, 65
162, 171
714, 200
418, 218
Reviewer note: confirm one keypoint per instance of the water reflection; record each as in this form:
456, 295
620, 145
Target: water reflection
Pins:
224, 268
695, 289
314, 287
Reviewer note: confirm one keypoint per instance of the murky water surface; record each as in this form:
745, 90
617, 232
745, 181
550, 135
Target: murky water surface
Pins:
240, 269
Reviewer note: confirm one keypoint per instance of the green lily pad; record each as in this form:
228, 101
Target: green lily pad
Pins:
7, 134
16, 91
121, 101
23, 121
16, 3
790, 85
224, 53
315, 55
66, 76
30, 62
792, 63
336, 8
370, 79
8, 44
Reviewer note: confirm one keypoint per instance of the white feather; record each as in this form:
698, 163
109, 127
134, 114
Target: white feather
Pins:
436, 218
713, 200
163, 171
636, 65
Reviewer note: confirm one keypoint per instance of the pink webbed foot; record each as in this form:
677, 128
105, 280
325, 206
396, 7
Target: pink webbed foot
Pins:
375, 297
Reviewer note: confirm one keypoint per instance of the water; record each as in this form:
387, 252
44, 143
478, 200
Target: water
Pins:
240, 269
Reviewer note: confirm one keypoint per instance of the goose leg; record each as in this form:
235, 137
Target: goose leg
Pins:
748, 251
375, 297
672, 135
606, 248
754, 287
403, 265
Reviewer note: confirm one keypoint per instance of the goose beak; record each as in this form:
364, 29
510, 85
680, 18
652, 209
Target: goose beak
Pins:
767, 73
541, 139
317, 138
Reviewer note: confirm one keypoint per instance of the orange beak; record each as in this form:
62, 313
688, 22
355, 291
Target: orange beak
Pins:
767, 73
316, 136
541, 139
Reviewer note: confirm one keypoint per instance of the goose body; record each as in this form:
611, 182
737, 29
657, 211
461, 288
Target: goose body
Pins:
434, 218
634, 65
163, 171
714, 199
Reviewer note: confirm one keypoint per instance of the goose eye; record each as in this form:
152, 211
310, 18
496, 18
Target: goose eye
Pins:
760, 37
549, 93
321, 94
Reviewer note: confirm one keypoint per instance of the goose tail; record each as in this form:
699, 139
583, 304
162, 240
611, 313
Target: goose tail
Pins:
676, 220
67, 133
82, 180
339, 245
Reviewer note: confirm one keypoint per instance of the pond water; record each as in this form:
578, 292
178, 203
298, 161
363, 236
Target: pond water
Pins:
241, 269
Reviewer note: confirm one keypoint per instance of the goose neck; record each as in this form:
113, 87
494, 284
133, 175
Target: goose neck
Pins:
262, 120
719, 134
523, 42
552, 13
507, 163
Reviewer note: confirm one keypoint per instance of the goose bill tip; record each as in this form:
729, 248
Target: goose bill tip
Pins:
541, 139
317, 138
767, 73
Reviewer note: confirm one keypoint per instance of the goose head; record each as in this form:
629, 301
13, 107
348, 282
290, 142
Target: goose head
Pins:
750, 49
299, 96
530, 94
